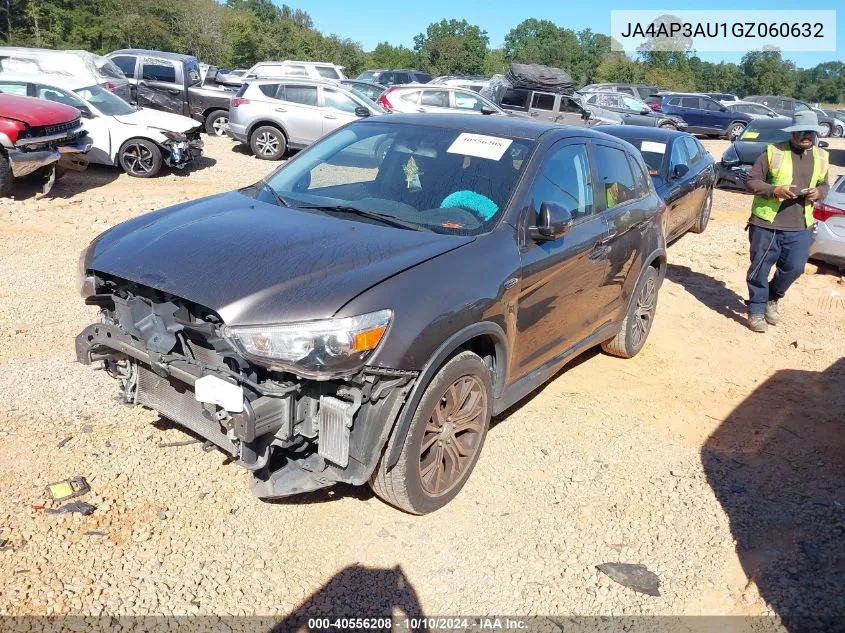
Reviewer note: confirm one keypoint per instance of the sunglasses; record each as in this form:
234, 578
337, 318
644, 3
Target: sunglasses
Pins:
805, 132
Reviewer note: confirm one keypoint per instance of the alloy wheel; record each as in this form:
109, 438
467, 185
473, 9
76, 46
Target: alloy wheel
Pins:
705, 212
267, 143
138, 159
219, 126
453, 435
644, 313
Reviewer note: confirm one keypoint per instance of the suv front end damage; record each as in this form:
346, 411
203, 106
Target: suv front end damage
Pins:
296, 431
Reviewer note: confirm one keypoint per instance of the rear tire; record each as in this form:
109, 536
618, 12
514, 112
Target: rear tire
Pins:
638, 320
838, 131
825, 130
735, 130
448, 429
6, 178
215, 123
703, 214
267, 142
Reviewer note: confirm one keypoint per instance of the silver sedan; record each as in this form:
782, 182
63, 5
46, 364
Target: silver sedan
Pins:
829, 243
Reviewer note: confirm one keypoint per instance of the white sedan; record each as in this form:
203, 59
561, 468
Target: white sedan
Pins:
138, 140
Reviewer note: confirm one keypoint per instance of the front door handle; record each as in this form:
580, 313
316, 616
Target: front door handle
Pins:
329, 116
281, 110
420, 109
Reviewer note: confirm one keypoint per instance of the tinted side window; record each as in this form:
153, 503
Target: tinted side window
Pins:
800, 107
159, 70
689, 102
641, 177
422, 78
709, 104
568, 105
403, 78
270, 90
565, 179
679, 154
386, 79
435, 98
13, 88
692, 149
626, 90
675, 101
619, 185
126, 63
306, 95
327, 71
516, 99
338, 101
542, 101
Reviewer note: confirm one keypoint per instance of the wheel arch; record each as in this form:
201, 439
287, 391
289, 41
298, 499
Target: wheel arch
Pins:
209, 110
270, 123
485, 338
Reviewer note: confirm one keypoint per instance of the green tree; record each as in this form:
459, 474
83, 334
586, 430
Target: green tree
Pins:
766, 72
495, 62
388, 56
452, 47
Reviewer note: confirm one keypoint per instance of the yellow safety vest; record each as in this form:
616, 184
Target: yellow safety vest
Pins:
780, 173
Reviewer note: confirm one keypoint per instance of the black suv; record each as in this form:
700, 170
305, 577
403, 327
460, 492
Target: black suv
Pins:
361, 313
393, 77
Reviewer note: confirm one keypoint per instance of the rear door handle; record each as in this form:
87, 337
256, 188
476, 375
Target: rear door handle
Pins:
281, 110
329, 116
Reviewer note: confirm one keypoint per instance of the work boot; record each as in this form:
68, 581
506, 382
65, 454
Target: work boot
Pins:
772, 313
757, 323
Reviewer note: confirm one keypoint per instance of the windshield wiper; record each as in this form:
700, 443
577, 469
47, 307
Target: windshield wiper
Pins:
372, 215
279, 199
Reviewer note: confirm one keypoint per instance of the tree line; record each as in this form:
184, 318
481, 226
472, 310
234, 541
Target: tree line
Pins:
237, 33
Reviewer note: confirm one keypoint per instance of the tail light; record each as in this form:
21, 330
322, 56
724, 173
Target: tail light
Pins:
110, 86
654, 106
236, 101
383, 101
12, 129
823, 211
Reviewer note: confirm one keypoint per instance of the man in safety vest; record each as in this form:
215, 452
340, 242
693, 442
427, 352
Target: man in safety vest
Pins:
786, 180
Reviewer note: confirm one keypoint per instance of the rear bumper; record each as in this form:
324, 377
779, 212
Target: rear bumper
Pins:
236, 131
733, 178
827, 246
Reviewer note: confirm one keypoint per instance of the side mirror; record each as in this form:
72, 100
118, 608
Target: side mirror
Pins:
553, 221
85, 112
824, 144
487, 110
361, 111
723, 109
646, 110
680, 170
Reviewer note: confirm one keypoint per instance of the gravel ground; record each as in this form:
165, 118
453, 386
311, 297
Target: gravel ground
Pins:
715, 458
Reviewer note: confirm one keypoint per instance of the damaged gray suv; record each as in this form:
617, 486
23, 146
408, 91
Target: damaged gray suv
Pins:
362, 313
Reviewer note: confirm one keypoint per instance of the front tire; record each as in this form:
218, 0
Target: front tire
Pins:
668, 126
838, 131
267, 143
216, 122
825, 130
638, 320
140, 158
444, 440
7, 179
703, 214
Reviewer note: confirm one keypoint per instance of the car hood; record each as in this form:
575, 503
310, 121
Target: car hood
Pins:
749, 151
158, 119
254, 263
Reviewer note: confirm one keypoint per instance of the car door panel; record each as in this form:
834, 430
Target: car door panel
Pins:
335, 110
161, 86
560, 278
679, 192
297, 110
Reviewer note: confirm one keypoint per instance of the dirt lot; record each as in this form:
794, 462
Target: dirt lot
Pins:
715, 458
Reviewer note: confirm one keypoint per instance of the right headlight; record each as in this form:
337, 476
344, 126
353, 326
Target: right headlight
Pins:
730, 157
84, 282
314, 349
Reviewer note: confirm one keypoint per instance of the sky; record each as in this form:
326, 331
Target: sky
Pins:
397, 22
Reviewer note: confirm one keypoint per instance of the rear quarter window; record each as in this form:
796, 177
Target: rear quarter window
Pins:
328, 72
269, 90
516, 99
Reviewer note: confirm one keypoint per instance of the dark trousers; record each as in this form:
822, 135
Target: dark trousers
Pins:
788, 250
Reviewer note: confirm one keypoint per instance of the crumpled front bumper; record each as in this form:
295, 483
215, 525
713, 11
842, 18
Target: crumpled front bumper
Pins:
733, 178
24, 163
183, 152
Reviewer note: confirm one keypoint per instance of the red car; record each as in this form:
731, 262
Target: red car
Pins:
36, 136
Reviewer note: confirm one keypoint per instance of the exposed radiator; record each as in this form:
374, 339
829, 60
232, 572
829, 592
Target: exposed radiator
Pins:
175, 401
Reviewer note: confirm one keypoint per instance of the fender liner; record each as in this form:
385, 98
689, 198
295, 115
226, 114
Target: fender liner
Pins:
403, 422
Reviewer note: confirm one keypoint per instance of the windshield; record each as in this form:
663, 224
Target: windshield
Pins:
368, 75
438, 179
764, 135
105, 101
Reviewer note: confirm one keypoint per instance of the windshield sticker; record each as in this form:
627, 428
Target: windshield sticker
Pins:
480, 146
750, 134
651, 146
412, 175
